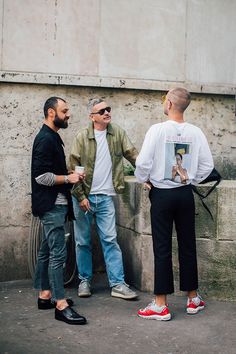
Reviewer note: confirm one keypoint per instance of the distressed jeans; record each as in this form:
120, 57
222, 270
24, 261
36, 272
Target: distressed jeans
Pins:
52, 253
102, 208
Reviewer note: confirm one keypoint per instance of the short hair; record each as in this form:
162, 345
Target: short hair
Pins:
51, 103
177, 153
93, 102
180, 97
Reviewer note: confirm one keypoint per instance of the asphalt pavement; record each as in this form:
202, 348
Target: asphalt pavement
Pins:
113, 326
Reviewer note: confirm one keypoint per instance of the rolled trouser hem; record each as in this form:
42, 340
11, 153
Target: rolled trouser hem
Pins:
116, 283
163, 292
59, 295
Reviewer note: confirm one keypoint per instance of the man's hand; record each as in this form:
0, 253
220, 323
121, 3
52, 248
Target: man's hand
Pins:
73, 178
147, 186
84, 205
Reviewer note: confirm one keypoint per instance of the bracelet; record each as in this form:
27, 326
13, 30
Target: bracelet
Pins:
66, 180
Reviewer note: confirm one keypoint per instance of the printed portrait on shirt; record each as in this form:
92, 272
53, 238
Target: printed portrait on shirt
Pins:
177, 162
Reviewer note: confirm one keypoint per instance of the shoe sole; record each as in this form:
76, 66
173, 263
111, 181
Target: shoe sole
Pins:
156, 317
84, 294
191, 311
70, 322
125, 297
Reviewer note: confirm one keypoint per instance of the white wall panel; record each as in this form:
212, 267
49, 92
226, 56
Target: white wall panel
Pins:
51, 36
211, 41
143, 39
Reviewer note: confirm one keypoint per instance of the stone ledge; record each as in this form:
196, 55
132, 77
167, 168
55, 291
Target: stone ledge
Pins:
111, 82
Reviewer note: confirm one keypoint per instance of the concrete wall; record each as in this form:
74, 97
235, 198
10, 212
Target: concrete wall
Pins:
135, 110
216, 240
144, 44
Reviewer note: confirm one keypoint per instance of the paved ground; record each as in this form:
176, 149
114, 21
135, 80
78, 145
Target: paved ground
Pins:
113, 326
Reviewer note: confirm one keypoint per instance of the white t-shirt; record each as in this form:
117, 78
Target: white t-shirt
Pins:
102, 175
174, 154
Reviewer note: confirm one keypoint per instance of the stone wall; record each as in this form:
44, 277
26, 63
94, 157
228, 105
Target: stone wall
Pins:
135, 110
216, 240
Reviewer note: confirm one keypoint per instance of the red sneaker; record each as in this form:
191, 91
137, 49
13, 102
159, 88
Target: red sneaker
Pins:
154, 312
195, 305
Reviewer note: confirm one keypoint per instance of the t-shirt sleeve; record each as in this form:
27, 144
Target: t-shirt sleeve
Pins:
144, 160
205, 161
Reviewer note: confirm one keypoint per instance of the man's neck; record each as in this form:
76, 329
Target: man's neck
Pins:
176, 117
51, 125
100, 127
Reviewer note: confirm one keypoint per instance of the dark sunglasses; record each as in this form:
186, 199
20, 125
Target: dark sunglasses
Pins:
102, 111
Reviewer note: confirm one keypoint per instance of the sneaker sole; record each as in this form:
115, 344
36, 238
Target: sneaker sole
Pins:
191, 311
85, 295
156, 317
121, 296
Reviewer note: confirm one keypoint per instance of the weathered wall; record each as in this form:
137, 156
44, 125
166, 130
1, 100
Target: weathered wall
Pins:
142, 44
21, 117
216, 240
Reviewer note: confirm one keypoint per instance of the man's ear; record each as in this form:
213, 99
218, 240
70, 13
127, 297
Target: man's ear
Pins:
51, 112
91, 117
169, 104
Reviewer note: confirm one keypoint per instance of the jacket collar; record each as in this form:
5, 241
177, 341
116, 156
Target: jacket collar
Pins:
47, 129
91, 130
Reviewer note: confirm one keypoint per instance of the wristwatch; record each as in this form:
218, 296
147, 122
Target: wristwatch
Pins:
66, 179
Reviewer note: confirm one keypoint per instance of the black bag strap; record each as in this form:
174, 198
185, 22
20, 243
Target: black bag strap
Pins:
203, 196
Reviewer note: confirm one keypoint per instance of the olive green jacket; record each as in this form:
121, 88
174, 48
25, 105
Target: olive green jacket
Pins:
83, 153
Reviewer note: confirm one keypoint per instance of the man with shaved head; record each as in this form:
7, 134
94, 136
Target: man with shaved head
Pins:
174, 155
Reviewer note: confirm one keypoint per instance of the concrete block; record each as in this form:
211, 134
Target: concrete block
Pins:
126, 207
142, 220
15, 207
137, 257
204, 225
217, 268
13, 253
131, 251
226, 223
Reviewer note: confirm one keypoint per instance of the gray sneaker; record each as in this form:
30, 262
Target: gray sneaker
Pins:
123, 291
84, 289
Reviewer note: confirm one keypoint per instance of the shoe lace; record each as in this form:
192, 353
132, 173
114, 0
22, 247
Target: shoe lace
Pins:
149, 305
197, 299
126, 284
84, 283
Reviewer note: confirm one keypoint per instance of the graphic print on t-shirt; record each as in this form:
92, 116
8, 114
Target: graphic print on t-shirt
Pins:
177, 161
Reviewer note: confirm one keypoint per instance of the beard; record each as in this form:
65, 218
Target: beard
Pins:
60, 123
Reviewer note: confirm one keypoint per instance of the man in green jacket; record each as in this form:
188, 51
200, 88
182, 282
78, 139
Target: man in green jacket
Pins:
100, 148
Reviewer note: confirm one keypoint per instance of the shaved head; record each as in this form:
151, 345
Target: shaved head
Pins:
180, 98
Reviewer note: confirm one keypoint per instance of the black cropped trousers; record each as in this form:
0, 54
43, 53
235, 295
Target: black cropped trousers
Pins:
168, 206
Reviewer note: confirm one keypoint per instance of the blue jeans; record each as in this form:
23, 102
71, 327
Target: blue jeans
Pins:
52, 253
102, 208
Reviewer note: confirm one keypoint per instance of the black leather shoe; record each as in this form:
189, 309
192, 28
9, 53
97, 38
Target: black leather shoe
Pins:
47, 304
68, 315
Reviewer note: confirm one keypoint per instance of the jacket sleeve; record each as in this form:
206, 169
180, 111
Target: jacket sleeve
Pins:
43, 152
75, 160
129, 150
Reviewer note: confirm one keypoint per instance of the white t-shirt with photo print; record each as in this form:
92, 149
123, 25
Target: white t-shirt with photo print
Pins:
174, 154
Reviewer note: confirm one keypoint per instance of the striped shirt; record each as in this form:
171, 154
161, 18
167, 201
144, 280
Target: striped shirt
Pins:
49, 179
